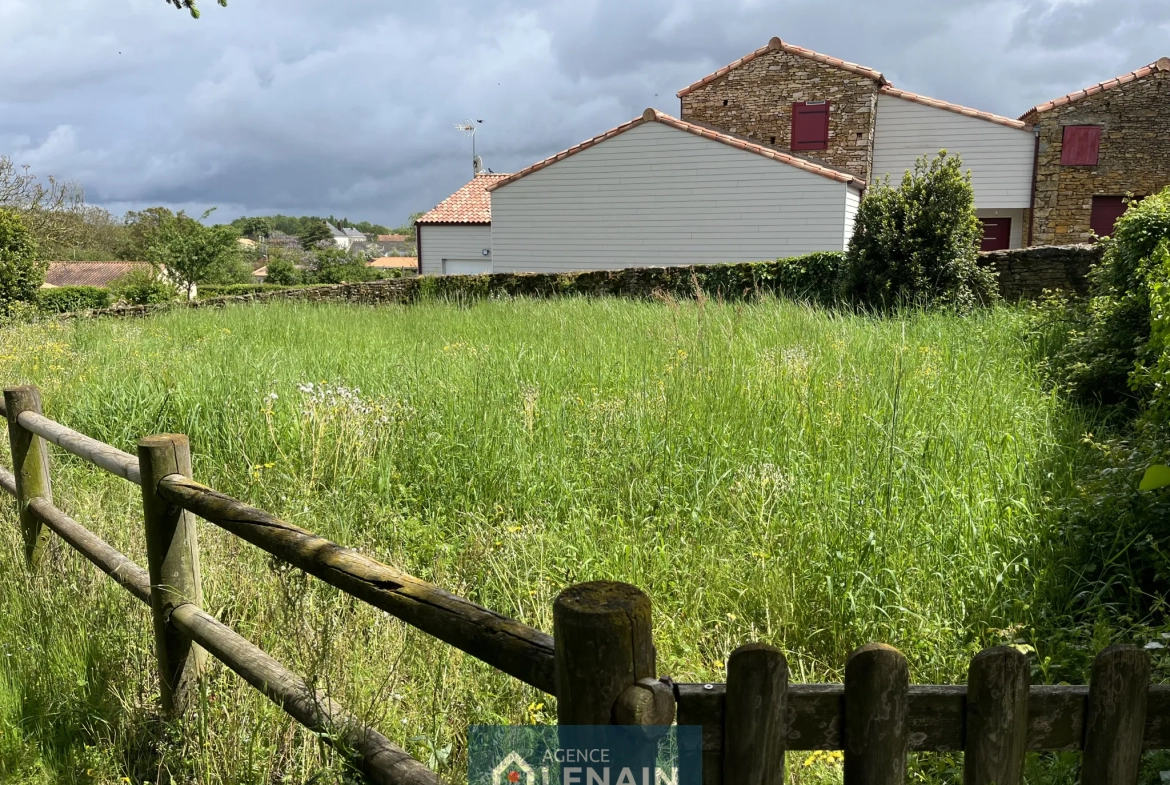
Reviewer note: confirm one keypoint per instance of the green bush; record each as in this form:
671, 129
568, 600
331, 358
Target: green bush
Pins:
61, 299
335, 265
144, 287
282, 272
21, 273
918, 243
1093, 347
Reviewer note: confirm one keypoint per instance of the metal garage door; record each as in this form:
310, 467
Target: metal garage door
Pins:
466, 266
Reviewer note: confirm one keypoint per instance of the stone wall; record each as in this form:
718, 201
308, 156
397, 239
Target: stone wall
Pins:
1134, 155
759, 95
1024, 273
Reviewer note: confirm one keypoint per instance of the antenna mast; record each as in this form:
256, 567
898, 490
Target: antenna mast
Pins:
469, 129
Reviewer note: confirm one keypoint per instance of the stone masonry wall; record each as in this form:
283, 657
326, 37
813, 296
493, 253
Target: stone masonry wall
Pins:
1134, 155
759, 95
1024, 273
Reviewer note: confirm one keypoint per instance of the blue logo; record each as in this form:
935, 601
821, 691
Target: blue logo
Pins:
584, 755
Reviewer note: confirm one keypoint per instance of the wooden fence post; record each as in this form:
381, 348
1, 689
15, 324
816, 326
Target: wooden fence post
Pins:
172, 553
754, 732
1116, 716
877, 686
997, 717
30, 464
603, 644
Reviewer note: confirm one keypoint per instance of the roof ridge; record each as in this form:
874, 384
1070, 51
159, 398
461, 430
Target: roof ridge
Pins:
775, 44
1161, 64
938, 103
651, 115
470, 204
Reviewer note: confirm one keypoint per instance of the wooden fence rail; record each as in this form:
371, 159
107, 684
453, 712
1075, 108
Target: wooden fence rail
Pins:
600, 665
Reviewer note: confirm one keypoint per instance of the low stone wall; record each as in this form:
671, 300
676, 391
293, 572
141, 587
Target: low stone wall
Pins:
1024, 273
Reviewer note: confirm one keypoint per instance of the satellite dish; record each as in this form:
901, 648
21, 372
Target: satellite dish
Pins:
477, 162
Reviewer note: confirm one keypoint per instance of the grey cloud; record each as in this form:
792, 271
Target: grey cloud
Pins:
348, 107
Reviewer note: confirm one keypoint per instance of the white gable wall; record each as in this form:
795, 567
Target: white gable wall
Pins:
656, 195
999, 157
460, 244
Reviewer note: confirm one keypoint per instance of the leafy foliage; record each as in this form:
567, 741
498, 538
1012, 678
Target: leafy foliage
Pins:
144, 287
281, 270
230, 290
918, 243
313, 235
1092, 348
191, 6
191, 251
335, 265
61, 299
21, 271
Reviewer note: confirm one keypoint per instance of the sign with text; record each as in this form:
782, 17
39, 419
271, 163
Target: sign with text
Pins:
584, 755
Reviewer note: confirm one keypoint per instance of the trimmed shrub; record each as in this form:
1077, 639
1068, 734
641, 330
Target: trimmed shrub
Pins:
61, 299
144, 287
21, 273
282, 272
917, 244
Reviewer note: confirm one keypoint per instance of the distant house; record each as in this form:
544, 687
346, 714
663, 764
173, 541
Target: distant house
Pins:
89, 273
345, 238
405, 263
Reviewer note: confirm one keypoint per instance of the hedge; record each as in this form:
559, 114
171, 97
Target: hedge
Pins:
60, 299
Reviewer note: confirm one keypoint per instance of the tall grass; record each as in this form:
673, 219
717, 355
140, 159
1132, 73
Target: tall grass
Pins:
765, 471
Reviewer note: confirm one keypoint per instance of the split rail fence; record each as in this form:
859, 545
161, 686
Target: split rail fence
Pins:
601, 663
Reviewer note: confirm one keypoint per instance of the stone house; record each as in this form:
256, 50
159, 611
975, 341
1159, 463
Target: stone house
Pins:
849, 117
1095, 147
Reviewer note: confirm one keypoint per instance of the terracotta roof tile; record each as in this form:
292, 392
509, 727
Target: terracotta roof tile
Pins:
963, 110
469, 205
392, 238
406, 262
1162, 64
89, 273
776, 45
654, 116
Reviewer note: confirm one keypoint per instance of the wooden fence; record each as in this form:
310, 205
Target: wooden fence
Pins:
601, 663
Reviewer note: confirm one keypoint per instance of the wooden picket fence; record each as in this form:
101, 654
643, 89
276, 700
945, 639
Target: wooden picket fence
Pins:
601, 663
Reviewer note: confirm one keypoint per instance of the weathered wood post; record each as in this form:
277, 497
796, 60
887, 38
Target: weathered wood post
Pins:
997, 717
877, 688
172, 554
1116, 717
30, 464
603, 645
754, 733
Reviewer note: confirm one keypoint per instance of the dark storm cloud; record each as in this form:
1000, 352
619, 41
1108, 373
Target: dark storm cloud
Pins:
348, 107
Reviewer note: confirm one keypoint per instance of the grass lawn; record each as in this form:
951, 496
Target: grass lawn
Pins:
764, 471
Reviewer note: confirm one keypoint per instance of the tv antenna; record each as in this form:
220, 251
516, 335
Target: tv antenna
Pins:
469, 129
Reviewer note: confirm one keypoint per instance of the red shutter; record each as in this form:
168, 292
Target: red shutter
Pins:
1106, 211
1080, 145
810, 126
997, 234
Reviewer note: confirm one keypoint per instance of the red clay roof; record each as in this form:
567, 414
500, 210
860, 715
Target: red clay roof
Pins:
406, 262
392, 238
654, 116
89, 273
775, 45
469, 205
1162, 64
963, 110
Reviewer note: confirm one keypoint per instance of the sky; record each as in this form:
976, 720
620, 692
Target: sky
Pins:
349, 107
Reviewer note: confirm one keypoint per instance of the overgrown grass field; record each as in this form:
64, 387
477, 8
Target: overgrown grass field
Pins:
765, 471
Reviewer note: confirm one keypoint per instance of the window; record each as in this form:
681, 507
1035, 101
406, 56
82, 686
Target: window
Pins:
1106, 211
1080, 145
810, 125
997, 234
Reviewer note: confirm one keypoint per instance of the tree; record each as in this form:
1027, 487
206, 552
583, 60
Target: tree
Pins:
50, 209
21, 272
314, 233
334, 265
190, 251
281, 270
255, 227
919, 242
190, 6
